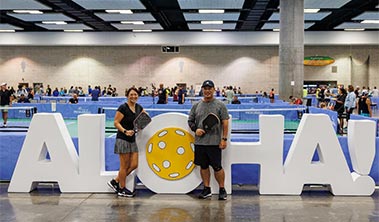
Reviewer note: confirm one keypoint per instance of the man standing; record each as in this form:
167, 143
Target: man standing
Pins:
181, 95
209, 143
229, 94
5, 101
350, 101
48, 91
95, 93
162, 95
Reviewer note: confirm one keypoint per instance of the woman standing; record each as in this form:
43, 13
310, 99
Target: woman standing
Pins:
339, 107
125, 145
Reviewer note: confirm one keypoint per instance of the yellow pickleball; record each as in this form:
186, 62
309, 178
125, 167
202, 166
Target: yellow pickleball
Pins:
170, 153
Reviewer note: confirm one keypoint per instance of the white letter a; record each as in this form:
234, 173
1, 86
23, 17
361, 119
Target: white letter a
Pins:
47, 133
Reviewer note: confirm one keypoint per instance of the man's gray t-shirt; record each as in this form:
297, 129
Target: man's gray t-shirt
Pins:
199, 112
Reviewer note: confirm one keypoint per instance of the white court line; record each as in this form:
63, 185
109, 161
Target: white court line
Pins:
230, 110
112, 135
69, 123
17, 107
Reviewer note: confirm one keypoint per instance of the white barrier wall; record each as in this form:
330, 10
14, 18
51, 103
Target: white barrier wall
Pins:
166, 152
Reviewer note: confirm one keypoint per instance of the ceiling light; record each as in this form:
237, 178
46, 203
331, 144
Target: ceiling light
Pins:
120, 11
354, 29
73, 30
54, 22
218, 11
212, 30
133, 22
7, 30
311, 10
370, 21
212, 22
142, 30
28, 11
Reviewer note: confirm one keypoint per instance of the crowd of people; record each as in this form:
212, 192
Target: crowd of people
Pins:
180, 93
346, 101
324, 94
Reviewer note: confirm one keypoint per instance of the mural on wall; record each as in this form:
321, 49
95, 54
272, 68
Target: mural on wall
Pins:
318, 60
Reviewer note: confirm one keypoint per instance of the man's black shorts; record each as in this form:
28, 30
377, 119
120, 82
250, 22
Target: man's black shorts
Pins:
206, 156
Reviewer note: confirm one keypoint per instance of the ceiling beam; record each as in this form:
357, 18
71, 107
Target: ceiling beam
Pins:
80, 14
167, 13
343, 14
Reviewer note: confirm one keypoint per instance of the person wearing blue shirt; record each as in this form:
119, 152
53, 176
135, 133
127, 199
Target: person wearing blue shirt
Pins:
350, 102
56, 92
95, 93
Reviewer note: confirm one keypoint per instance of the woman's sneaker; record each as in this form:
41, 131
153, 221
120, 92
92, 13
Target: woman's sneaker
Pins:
114, 185
125, 193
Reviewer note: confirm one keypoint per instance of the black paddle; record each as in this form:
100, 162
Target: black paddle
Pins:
142, 120
210, 121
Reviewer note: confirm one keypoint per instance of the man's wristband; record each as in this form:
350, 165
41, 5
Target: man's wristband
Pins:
224, 138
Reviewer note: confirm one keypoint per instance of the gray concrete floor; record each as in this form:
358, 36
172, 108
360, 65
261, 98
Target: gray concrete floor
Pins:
46, 203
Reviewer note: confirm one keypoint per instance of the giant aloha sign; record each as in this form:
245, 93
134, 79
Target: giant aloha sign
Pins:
166, 152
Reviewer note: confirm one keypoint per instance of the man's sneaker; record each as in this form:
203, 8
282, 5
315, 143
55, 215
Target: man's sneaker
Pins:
222, 194
114, 185
205, 193
125, 193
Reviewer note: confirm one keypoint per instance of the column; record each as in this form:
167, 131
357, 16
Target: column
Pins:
291, 49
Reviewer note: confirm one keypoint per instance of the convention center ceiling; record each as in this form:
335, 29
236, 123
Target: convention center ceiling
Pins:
181, 15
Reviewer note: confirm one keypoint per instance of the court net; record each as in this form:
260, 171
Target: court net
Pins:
19, 118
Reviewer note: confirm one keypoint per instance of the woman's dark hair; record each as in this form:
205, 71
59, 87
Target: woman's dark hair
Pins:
343, 90
350, 88
129, 90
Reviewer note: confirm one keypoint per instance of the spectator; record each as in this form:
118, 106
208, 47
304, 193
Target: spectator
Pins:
375, 92
31, 94
236, 100
229, 94
162, 95
23, 99
181, 95
339, 107
48, 90
192, 92
364, 105
89, 90
295, 100
74, 99
56, 92
272, 96
350, 102
62, 92
21, 90
95, 93
5, 101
